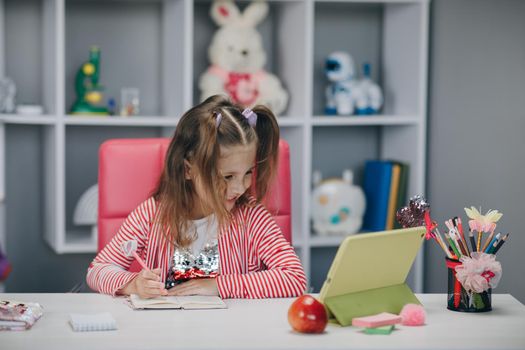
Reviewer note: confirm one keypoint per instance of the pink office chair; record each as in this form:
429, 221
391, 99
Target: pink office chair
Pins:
130, 168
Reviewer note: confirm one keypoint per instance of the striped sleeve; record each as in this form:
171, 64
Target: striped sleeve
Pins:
108, 272
283, 275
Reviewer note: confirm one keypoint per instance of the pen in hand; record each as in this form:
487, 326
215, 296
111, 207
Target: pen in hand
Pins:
129, 248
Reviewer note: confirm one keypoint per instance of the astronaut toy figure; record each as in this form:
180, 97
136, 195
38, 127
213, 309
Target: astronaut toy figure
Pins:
343, 91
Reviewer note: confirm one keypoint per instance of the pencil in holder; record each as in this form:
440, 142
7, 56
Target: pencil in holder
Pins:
458, 299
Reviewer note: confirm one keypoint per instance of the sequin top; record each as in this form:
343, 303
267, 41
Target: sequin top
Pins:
201, 259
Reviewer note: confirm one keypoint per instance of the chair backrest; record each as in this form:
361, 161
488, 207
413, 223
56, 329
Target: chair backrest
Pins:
129, 170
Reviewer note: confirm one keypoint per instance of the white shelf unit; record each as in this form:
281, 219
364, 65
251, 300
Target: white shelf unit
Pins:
160, 46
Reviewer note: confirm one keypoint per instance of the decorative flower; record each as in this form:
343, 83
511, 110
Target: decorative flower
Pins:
478, 273
482, 223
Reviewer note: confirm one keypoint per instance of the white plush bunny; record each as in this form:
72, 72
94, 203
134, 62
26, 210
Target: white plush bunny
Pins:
237, 59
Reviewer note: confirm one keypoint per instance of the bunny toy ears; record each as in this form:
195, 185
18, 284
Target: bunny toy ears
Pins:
225, 12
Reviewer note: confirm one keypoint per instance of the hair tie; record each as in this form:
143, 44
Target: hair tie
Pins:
218, 119
251, 116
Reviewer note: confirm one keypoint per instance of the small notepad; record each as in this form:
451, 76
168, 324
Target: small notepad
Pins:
92, 322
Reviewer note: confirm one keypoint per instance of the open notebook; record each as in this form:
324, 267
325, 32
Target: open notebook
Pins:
177, 302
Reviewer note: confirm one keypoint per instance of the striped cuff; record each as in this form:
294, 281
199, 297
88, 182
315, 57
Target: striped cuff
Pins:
222, 287
231, 286
120, 281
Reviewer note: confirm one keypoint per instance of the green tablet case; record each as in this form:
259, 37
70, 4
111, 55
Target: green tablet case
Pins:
368, 274
370, 302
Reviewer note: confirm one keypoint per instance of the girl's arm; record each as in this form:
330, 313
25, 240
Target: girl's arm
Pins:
284, 275
108, 272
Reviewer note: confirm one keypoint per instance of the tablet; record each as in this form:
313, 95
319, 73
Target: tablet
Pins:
372, 260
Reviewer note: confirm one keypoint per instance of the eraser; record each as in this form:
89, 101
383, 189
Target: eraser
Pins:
374, 321
380, 330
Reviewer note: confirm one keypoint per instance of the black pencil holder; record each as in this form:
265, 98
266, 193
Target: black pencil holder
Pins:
458, 299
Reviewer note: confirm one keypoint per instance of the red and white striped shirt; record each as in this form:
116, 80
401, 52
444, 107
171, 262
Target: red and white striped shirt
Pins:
255, 260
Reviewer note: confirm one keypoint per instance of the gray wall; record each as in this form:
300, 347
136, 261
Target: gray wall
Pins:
477, 124
36, 268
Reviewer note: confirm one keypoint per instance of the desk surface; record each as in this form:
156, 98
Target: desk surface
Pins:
259, 324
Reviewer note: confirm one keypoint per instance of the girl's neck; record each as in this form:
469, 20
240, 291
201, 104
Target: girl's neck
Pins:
199, 212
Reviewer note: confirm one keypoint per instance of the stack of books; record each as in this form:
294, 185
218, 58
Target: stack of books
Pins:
385, 185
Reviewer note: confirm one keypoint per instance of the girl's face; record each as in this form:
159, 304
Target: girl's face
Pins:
236, 166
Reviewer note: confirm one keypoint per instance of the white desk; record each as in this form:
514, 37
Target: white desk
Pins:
258, 324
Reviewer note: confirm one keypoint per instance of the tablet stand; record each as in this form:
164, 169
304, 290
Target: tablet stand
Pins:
370, 302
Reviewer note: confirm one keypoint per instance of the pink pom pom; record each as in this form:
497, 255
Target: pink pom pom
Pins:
413, 315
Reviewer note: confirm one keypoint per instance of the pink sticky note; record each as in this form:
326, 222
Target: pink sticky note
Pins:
379, 320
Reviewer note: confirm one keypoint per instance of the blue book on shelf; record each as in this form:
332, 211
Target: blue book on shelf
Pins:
376, 185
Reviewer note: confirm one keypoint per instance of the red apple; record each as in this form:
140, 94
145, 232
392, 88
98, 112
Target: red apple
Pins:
307, 315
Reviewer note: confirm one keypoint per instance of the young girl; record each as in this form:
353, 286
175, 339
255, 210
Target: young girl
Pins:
203, 220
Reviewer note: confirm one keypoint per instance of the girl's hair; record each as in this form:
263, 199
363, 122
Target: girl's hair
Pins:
197, 139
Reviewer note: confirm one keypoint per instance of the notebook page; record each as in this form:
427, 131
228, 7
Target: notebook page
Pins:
201, 302
177, 302
163, 302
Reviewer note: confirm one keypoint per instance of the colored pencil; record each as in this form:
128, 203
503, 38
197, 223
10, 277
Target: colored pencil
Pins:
439, 239
449, 224
500, 243
442, 243
453, 245
492, 241
492, 247
453, 233
472, 240
459, 242
459, 226
488, 241
478, 245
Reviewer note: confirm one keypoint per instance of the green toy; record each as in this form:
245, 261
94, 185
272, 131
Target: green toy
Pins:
89, 92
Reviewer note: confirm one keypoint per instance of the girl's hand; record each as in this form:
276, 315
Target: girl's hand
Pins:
147, 284
198, 286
